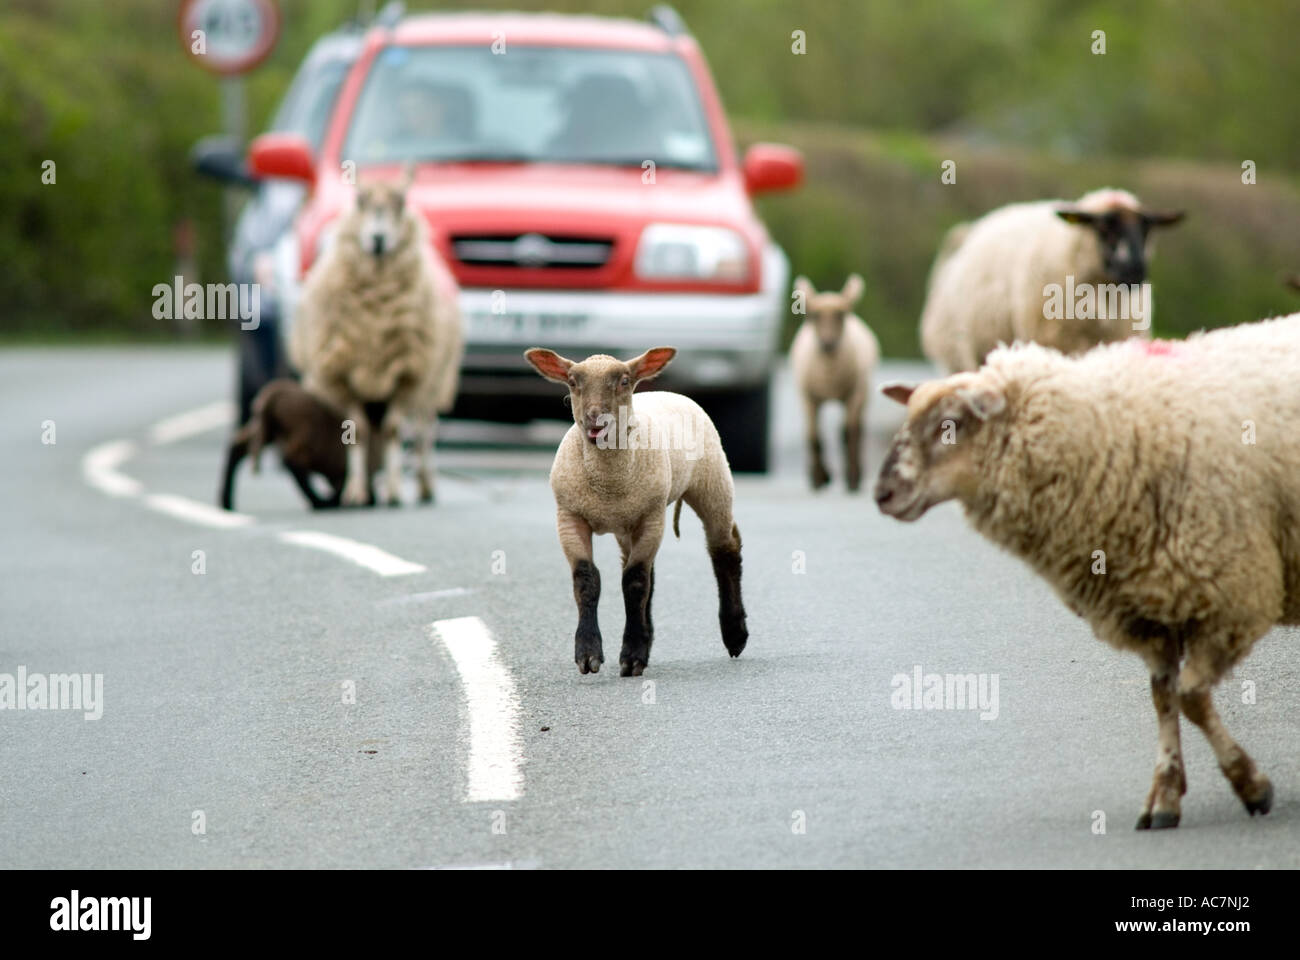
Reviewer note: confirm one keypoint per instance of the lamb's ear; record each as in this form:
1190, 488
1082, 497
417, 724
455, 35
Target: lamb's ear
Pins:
408, 177
803, 286
852, 291
898, 392
651, 363
1162, 218
549, 364
985, 402
1293, 282
1080, 218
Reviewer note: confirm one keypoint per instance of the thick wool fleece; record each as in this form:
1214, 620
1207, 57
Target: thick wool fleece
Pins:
378, 329
1179, 461
986, 285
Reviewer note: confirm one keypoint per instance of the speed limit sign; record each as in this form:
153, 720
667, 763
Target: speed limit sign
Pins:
229, 36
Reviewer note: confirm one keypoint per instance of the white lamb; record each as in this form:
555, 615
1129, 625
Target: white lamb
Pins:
1066, 275
833, 355
378, 334
616, 471
1154, 484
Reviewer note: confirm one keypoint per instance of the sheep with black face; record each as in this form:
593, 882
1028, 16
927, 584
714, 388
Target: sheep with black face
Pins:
1068, 275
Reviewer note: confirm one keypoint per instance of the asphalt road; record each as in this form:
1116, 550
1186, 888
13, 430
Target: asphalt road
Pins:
225, 739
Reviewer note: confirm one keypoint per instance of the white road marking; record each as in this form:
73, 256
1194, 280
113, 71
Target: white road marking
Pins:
495, 746
184, 508
192, 422
99, 468
429, 595
362, 554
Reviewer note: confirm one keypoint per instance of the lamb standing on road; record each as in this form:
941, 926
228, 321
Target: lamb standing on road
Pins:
990, 280
310, 436
378, 330
833, 355
1154, 485
616, 471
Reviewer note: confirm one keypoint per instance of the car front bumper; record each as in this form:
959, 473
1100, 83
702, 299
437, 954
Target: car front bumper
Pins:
725, 342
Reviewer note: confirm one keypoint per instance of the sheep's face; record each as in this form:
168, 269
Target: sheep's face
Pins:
1122, 233
381, 222
600, 386
828, 310
933, 457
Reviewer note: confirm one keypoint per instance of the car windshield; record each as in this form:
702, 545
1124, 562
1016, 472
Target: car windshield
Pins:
529, 105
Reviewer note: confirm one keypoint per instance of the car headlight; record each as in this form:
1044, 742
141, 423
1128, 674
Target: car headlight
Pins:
670, 251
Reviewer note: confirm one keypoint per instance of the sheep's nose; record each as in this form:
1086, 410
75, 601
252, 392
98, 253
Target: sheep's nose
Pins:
377, 244
883, 494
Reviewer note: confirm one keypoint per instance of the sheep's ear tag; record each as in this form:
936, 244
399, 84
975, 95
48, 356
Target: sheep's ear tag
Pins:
898, 392
984, 402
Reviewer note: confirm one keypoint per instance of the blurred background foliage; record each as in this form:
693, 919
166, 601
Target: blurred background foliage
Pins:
887, 91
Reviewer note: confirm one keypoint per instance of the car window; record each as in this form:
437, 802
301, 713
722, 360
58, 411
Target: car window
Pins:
536, 104
308, 104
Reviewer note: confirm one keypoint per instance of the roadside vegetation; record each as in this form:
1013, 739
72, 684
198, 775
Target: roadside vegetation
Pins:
1009, 91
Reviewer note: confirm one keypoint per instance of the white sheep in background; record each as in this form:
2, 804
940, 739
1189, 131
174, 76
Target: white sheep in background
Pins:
833, 355
990, 282
1154, 485
378, 334
616, 471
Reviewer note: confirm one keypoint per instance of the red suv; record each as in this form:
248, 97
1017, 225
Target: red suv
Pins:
580, 181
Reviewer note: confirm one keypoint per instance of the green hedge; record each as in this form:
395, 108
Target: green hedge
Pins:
105, 91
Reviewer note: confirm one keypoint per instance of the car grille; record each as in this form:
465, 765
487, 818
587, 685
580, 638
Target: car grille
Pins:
532, 250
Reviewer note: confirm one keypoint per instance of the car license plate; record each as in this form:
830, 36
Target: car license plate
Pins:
511, 327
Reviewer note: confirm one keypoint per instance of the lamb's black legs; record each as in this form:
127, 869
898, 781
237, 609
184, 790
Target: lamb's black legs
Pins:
638, 632
587, 650
731, 611
237, 451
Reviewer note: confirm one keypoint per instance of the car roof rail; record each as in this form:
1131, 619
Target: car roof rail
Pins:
668, 20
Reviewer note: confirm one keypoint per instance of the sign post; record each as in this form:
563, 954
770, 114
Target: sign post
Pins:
229, 38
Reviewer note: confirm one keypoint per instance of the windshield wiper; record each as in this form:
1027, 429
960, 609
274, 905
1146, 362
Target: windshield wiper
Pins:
470, 156
635, 162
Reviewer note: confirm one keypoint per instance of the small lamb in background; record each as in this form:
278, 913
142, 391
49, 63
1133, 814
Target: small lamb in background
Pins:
309, 434
616, 471
379, 326
833, 355
988, 282
1154, 484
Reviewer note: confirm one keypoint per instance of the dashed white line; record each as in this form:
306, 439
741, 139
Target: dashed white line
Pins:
362, 554
495, 747
99, 468
192, 422
183, 508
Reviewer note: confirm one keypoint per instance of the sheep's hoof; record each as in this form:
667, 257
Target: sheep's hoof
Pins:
820, 478
590, 663
734, 638
1264, 803
1160, 820
631, 668
426, 496
394, 502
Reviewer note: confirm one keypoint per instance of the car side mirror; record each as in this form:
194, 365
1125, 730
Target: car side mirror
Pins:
220, 158
771, 166
284, 155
